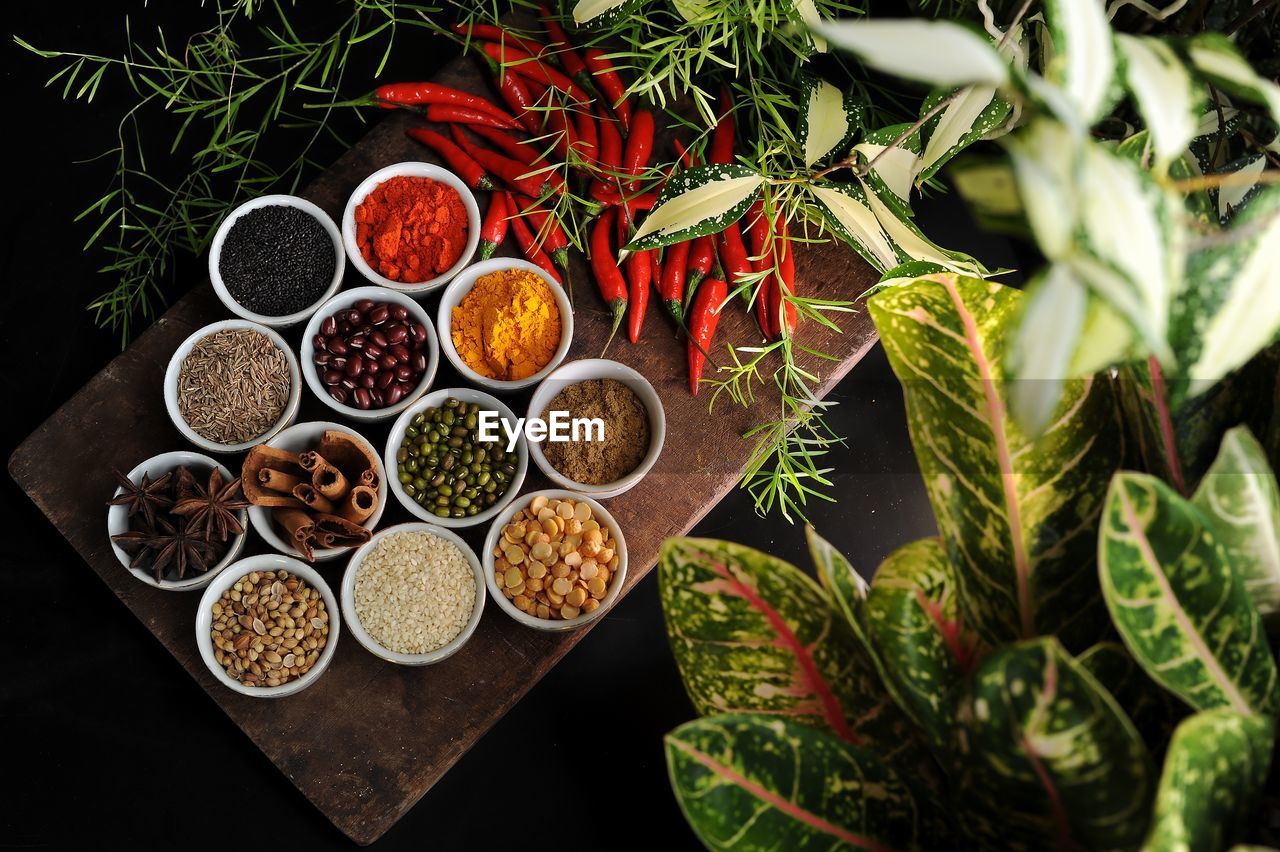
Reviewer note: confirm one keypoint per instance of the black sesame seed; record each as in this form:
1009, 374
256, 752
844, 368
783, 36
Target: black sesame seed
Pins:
277, 260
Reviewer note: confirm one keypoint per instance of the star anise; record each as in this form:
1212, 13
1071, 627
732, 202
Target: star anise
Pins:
179, 547
147, 496
212, 510
184, 483
134, 543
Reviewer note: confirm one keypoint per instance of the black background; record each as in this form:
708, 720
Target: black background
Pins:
105, 737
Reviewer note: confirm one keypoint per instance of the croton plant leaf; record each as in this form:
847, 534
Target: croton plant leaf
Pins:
1018, 516
1153, 711
1213, 774
697, 201
918, 633
1240, 497
844, 586
1181, 609
753, 634
749, 782
1049, 758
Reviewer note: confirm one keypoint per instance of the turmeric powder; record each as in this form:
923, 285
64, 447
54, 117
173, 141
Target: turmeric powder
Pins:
508, 327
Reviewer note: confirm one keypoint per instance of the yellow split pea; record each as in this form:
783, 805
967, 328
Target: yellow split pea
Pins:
508, 327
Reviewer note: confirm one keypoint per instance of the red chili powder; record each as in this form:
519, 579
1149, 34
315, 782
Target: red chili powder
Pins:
411, 229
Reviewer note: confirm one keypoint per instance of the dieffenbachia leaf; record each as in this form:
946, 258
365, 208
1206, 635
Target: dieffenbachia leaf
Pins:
1046, 162
751, 633
896, 165
941, 53
1240, 497
1245, 173
1213, 777
919, 635
1018, 516
1153, 711
1181, 609
1049, 756
697, 201
748, 782
808, 12
599, 12
976, 112
1218, 60
829, 120
1166, 94
1236, 284
1083, 63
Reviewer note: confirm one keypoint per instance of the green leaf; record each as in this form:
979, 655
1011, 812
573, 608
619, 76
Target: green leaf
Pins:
977, 112
1213, 777
919, 635
751, 633
761, 783
1046, 162
1049, 756
600, 12
1217, 59
1241, 499
988, 186
940, 53
1018, 517
829, 121
1083, 63
1182, 611
1169, 98
1152, 710
844, 586
697, 201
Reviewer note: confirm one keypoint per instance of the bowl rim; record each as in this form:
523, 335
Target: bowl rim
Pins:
466, 394
649, 397
619, 578
260, 516
278, 199
352, 617
462, 284
175, 366
306, 350
117, 518
410, 168
225, 580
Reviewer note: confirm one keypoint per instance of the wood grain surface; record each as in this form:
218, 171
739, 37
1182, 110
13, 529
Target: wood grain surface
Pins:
369, 738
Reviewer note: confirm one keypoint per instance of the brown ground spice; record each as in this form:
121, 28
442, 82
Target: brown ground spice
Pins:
626, 432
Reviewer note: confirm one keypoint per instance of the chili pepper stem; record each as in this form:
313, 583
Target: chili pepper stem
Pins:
618, 307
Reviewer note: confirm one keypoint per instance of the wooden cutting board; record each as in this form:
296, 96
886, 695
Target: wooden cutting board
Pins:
369, 738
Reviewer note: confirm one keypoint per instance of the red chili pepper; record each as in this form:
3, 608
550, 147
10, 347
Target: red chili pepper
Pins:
686, 158
488, 32
610, 83
530, 67
758, 229
609, 196
639, 274
722, 136
471, 172
785, 314
563, 133
449, 114
529, 244
514, 174
509, 145
564, 50
494, 228
546, 229
588, 135
671, 286
517, 96
701, 256
394, 95
613, 287
635, 156
703, 317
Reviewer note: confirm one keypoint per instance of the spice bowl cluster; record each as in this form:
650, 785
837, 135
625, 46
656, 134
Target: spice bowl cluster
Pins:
313, 494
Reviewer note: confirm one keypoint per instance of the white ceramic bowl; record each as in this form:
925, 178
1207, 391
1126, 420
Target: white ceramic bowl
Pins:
175, 366
462, 285
298, 439
436, 399
156, 467
411, 169
616, 582
352, 618
346, 299
227, 579
588, 369
215, 259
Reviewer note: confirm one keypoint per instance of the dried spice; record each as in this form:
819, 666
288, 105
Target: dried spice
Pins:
277, 260
214, 508
626, 432
411, 229
269, 628
508, 325
148, 496
233, 386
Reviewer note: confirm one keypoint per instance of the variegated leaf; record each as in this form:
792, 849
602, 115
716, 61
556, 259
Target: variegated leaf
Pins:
920, 637
697, 201
990, 191
941, 53
1018, 516
911, 242
1166, 94
751, 633
976, 112
1046, 159
1241, 499
1246, 174
829, 121
1051, 759
1180, 608
1212, 780
845, 588
896, 162
1083, 63
1153, 711
599, 12
762, 783
1215, 57
808, 12
847, 213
